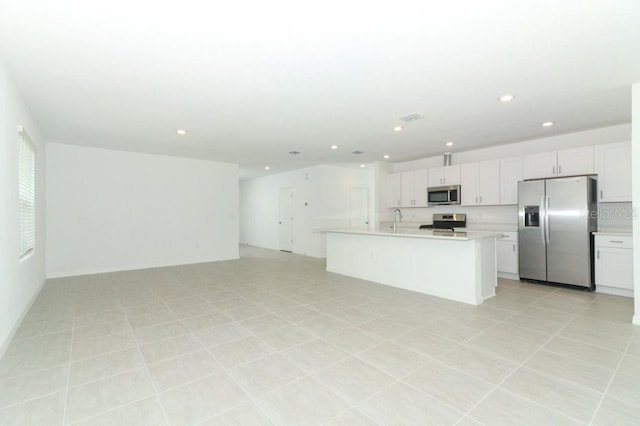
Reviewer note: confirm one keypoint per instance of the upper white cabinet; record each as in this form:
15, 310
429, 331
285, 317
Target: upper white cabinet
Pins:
510, 175
394, 189
614, 172
480, 183
414, 188
447, 175
576, 161
567, 162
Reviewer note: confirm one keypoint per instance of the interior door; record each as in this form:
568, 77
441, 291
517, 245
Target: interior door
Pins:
359, 208
285, 219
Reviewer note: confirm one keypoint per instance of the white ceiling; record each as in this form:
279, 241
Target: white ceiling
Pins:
251, 80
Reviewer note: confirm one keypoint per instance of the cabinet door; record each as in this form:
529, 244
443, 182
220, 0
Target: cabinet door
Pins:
489, 182
510, 175
451, 175
614, 172
614, 267
394, 187
420, 184
539, 165
507, 256
577, 161
435, 176
406, 192
469, 184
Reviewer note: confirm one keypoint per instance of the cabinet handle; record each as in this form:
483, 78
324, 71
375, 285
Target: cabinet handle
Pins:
616, 241
598, 253
554, 170
481, 199
559, 169
514, 248
601, 194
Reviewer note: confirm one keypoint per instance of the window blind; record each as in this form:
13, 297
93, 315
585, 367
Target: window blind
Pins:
26, 193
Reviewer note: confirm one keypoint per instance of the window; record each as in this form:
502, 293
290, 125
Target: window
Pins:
26, 193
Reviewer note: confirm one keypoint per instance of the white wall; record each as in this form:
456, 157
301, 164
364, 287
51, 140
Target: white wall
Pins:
635, 167
321, 199
113, 210
20, 281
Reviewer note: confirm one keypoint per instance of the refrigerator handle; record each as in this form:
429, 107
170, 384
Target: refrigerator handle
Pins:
546, 218
542, 220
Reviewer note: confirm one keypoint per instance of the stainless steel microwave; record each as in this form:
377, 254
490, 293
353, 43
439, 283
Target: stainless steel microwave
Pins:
443, 195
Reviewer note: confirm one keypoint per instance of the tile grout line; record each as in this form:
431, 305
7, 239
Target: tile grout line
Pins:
611, 380
520, 366
66, 396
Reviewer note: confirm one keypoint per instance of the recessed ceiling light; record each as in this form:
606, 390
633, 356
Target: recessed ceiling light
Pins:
334, 146
449, 143
181, 132
386, 156
548, 124
267, 167
506, 97
361, 166
397, 129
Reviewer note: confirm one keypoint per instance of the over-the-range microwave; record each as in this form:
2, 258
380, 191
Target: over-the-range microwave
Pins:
443, 195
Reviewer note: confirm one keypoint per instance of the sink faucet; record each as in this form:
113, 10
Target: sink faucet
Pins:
396, 213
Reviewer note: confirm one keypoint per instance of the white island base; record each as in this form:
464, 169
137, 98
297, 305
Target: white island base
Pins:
462, 268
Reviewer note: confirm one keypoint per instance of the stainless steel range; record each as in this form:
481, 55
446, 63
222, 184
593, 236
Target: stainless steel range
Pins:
447, 221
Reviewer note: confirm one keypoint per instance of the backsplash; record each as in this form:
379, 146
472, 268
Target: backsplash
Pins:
476, 215
615, 217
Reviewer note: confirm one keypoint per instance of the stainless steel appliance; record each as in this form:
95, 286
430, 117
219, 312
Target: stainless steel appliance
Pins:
556, 218
443, 195
447, 221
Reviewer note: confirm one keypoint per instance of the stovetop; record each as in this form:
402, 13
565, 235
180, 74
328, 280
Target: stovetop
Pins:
447, 222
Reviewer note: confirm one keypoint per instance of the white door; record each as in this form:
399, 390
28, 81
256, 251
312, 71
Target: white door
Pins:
359, 208
285, 217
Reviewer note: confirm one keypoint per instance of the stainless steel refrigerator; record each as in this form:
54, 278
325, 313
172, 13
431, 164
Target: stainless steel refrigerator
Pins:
556, 218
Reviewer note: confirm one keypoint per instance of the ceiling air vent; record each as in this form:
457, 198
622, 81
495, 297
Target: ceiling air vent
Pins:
411, 117
294, 152
357, 152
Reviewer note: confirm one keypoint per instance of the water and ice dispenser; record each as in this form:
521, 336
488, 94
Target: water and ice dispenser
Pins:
532, 216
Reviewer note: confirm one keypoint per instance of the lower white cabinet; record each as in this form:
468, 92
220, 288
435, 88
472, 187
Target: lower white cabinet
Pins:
614, 264
507, 255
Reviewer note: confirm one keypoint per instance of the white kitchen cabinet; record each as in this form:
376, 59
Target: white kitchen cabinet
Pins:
394, 190
420, 184
510, 175
480, 183
614, 172
507, 254
447, 175
614, 264
576, 161
566, 162
414, 188
541, 165
406, 191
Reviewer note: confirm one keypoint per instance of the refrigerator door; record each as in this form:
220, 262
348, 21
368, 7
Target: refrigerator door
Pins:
569, 239
531, 231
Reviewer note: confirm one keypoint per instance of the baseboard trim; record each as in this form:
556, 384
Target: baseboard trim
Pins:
16, 325
106, 270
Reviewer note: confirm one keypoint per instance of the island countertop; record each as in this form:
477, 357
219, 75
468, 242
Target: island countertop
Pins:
417, 233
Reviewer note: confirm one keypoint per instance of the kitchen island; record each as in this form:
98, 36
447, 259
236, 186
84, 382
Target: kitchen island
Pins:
459, 266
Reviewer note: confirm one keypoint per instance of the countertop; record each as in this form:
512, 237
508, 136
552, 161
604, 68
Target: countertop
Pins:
418, 233
624, 234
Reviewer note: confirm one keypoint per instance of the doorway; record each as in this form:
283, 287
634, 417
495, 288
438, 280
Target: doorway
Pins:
285, 219
359, 208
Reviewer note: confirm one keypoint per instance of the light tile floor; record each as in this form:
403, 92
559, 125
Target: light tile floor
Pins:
274, 339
